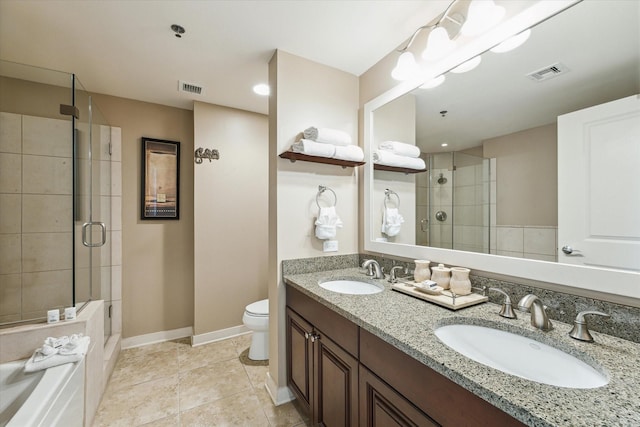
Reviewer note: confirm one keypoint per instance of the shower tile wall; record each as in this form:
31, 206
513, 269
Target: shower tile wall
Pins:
35, 207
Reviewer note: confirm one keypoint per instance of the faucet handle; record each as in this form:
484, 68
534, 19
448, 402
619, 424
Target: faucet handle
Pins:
507, 309
580, 331
392, 273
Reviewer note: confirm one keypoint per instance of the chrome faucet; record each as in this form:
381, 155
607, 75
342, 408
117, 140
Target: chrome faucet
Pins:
393, 278
373, 269
539, 318
580, 330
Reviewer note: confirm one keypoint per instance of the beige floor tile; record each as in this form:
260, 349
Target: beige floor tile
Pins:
285, 415
196, 357
242, 342
138, 404
212, 382
172, 421
143, 364
239, 410
256, 374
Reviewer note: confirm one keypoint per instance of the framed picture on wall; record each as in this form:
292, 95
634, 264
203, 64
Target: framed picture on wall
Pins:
160, 179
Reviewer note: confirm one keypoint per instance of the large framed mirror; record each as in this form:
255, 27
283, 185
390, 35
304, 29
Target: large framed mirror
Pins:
498, 191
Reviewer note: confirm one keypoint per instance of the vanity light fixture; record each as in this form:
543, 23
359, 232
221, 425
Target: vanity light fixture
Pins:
512, 42
262, 89
481, 15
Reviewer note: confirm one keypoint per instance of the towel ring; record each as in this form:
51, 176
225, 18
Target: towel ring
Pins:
387, 194
322, 189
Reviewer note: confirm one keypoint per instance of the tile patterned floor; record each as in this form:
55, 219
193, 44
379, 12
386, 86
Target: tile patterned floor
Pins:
174, 384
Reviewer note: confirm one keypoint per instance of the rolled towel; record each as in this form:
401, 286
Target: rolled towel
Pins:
384, 157
327, 136
349, 152
400, 148
327, 223
312, 148
37, 363
391, 222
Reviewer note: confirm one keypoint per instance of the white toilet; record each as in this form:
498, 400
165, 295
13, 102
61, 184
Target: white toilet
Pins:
256, 318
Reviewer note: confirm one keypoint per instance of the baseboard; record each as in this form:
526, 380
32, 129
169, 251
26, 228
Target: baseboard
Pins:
140, 340
218, 335
279, 395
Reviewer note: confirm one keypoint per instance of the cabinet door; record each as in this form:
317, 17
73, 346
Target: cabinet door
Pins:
299, 358
382, 406
336, 385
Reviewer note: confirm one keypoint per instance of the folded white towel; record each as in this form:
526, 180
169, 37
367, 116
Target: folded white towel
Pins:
391, 222
37, 362
327, 136
349, 152
384, 157
327, 223
312, 148
400, 148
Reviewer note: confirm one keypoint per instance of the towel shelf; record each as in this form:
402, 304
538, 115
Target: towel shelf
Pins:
316, 159
406, 171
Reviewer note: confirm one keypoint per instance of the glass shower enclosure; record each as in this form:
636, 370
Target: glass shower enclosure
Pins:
55, 195
456, 212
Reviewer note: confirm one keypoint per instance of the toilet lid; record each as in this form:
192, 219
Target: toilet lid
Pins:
259, 308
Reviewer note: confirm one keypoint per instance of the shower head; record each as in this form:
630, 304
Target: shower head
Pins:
442, 179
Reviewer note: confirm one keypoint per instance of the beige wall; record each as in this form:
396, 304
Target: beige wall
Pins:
230, 216
304, 94
157, 256
526, 176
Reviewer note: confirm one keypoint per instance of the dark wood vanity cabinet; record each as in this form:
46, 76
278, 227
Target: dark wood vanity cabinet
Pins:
322, 374
346, 376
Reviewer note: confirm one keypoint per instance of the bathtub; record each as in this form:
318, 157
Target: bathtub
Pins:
51, 397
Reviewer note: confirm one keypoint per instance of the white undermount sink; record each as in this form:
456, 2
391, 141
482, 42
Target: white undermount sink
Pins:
520, 356
352, 287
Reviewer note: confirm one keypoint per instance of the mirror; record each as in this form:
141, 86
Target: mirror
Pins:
496, 181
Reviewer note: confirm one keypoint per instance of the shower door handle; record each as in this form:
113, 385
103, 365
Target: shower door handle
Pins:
103, 239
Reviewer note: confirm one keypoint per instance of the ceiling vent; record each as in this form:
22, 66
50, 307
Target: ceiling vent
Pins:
189, 87
549, 72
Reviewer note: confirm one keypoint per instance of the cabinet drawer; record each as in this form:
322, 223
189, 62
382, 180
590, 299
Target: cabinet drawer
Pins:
342, 331
443, 400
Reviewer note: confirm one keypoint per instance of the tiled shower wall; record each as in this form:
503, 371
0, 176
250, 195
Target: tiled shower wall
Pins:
36, 210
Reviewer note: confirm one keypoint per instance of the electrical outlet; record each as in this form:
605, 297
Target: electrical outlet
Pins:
330, 246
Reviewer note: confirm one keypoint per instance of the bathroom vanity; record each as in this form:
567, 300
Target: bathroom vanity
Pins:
374, 360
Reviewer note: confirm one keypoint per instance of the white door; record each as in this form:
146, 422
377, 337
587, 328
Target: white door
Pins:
599, 185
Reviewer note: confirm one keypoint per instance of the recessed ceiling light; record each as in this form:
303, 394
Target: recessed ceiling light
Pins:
178, 30
262, 89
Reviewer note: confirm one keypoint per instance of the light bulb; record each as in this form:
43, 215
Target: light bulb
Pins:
512, 42
468, 65
406, 67
433, 82
438, 44
482, 15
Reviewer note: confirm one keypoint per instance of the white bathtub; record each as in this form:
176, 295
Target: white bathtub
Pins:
51, 397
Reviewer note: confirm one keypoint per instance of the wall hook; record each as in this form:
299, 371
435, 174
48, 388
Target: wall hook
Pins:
201, 154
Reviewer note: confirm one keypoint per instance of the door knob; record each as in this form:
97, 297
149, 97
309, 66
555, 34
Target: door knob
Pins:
568, 250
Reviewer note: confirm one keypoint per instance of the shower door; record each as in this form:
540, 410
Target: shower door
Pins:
92, 205
459, 185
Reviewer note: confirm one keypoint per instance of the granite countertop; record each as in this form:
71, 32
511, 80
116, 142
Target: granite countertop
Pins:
408, 324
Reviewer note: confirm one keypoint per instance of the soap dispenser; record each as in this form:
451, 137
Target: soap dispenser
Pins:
441, 275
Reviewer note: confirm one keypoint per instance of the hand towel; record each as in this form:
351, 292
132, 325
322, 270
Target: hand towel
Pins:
73, 354
388, 158
327, 136
327, 222
348, 152
312, 148
400, 148
391, 221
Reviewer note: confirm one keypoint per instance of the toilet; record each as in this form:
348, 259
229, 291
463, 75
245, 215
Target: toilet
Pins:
256, 318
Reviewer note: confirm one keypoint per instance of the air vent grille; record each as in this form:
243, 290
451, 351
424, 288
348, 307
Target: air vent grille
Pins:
189, 87
549, 72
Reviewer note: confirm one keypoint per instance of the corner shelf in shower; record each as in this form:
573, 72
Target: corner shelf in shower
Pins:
406, 171
316, 159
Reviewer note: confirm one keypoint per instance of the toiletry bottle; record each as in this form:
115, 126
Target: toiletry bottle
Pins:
441, 275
